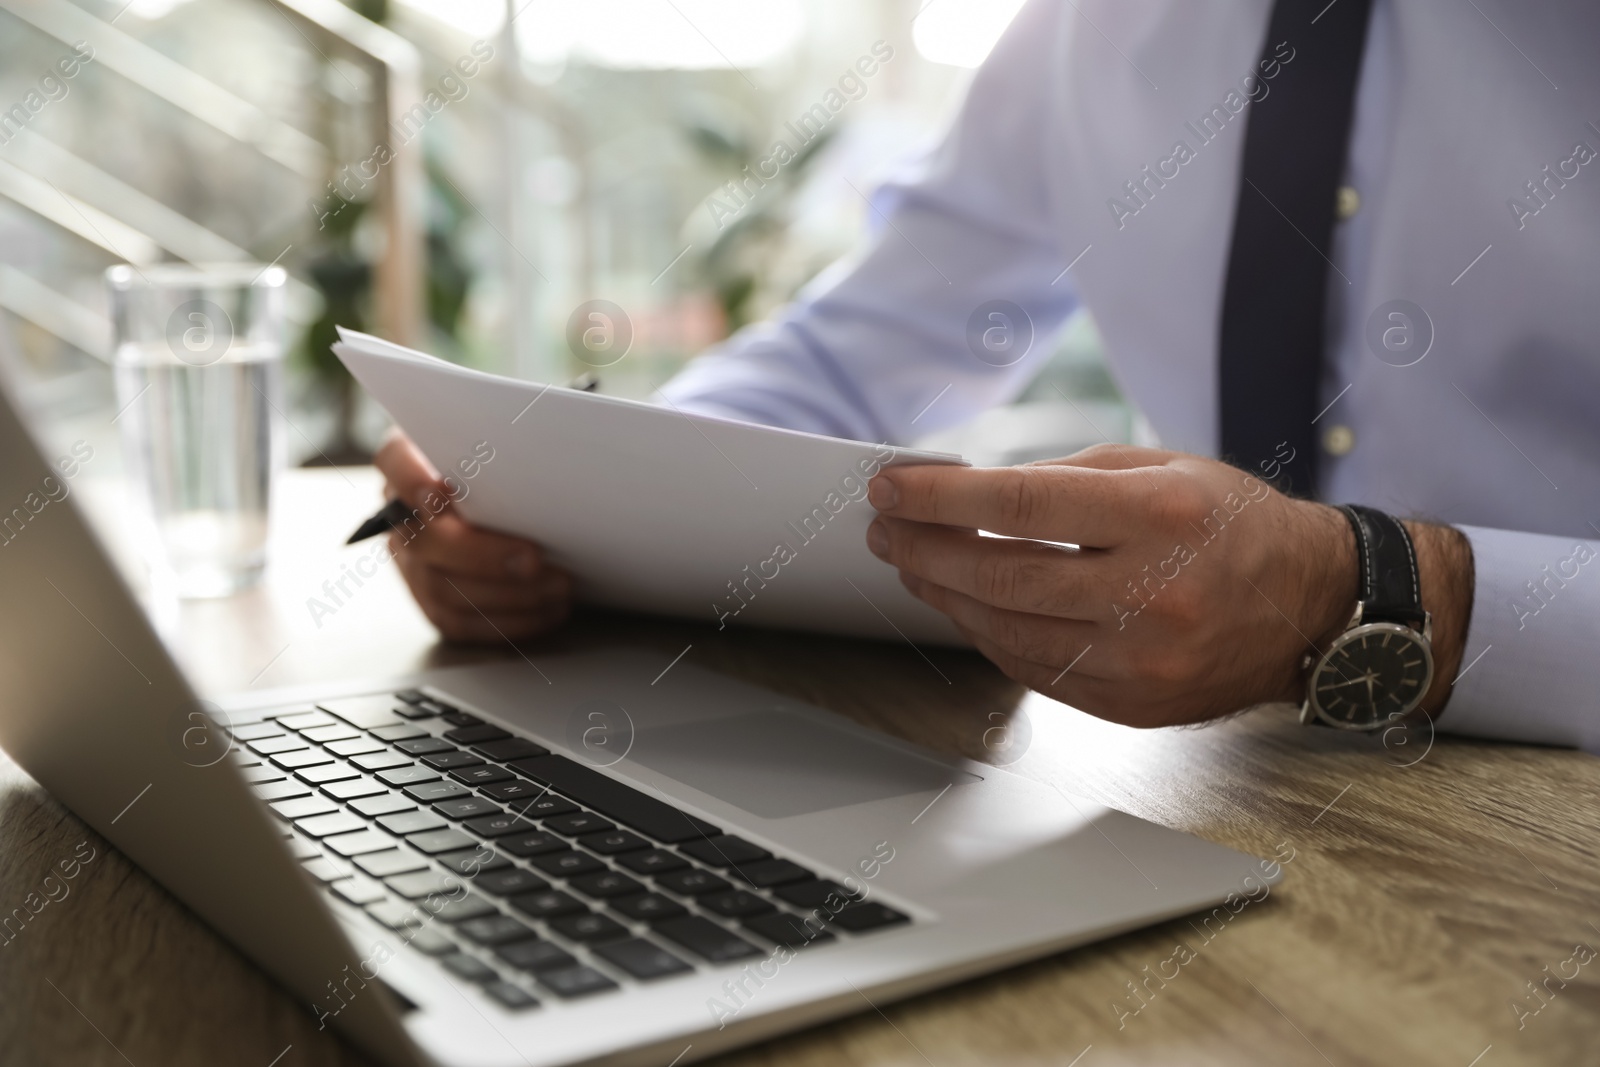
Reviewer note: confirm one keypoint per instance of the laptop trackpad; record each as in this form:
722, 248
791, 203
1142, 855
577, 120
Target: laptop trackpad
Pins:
778, 764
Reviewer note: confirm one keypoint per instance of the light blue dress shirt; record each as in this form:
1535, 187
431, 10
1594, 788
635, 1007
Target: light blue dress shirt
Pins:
1095, 162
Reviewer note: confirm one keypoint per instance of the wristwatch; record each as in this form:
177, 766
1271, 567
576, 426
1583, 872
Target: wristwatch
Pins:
1379, 668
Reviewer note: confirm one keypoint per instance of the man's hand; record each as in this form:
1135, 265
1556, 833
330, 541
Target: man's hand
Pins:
473, 584
1196, 589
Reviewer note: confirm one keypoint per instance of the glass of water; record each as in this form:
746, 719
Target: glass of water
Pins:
198, 359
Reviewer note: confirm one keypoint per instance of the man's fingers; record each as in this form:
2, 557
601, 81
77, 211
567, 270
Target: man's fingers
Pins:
453, 545
409, 475
1035, 638
493, 595
1109, 457
1008, 573
1082, 506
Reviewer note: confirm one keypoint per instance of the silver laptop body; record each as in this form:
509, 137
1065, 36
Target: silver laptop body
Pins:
555, 862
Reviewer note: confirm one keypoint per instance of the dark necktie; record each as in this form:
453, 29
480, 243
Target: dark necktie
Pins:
1274, 321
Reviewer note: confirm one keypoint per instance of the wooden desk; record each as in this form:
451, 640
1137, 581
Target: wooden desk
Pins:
1419, 903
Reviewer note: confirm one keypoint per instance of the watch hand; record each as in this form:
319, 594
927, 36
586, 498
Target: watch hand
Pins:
1369, 680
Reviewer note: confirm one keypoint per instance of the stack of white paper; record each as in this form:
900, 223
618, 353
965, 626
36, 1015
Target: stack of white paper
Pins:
655, 509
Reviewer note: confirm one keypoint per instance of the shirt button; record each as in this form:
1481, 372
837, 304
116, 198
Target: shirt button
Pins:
1338, 440
1348, 201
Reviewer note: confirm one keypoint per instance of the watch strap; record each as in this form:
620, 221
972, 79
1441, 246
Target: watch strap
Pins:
1390, 587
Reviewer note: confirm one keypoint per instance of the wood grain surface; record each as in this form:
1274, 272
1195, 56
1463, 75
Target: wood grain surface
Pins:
1441, 906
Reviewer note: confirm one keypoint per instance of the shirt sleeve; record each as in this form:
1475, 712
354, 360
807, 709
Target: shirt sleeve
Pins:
1531, 670
903, 338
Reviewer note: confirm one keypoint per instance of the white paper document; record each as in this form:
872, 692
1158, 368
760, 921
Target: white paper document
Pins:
655, 509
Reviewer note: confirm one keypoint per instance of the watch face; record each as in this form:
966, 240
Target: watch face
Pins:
1373, 675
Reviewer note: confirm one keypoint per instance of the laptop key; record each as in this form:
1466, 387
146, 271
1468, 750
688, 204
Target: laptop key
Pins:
327, 772
264, 772
706, 939
520, 789
736, 904
511, 997
435, 706
359, 891
655, 861
499, 825
767, 873
408, 775
575, 981
481, 774
362, 841
724, 851
425, 745
509, 749
429, 792
411, 696
615, 800
381, 761
360, 788
579, 822
612, 842
306, 720
472, 735
394, 861
400, 731
588, 928
303, 807
328, 824
465, 808
455, 911
436, 841
817, 893
461, 718
272, 746
649, 908
642, 959
535, 843
547, 904
304, 757
373, 806
411, 822
397, 914
691, 883
324, 869
859, 918
568, 864
414, 711
495, 930
470, 968
302, 849
472, 862
786, 929
281, 790
444, 761
603, 885
512, 880
431, 942
536, 956
356, 746
420, 884
322, 735
255, 731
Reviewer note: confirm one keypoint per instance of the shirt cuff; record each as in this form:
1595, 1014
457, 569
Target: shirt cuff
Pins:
1531, 670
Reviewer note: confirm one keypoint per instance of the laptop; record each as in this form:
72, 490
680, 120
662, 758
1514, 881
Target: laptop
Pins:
551, 861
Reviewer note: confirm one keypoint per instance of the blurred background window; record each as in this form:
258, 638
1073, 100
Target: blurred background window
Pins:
460, 175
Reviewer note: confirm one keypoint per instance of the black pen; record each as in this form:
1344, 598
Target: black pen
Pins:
395, 512
389, 517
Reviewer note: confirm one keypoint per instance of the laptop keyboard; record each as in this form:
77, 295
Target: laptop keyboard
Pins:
518, 869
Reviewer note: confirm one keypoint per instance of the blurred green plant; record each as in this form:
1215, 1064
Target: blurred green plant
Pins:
739, 263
